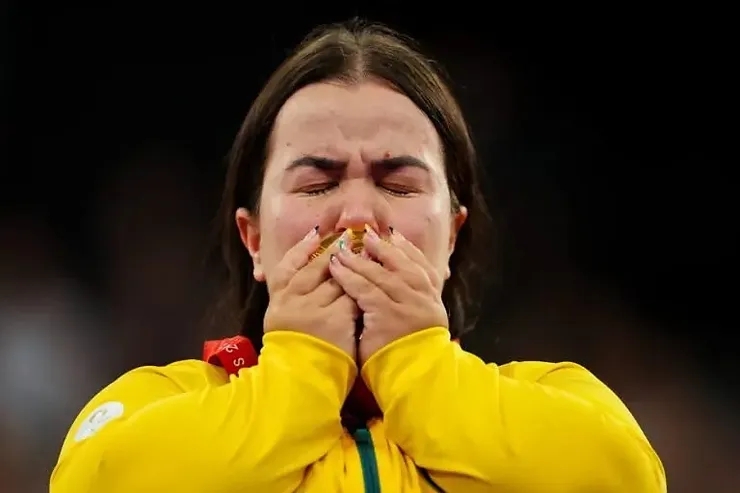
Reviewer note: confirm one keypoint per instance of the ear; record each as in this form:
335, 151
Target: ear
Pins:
249, 232
457, 219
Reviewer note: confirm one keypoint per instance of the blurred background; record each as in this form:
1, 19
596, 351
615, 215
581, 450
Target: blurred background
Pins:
601, 134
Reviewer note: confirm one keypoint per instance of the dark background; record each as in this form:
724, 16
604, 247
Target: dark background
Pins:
603, 136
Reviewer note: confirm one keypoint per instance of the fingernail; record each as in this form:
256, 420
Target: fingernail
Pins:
333, 259
314, 231
370, 231
343, 241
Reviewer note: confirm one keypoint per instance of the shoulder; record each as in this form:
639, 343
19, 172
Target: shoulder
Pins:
187, 375
180, 376
535, 370
141, 387
152, 382
571, 378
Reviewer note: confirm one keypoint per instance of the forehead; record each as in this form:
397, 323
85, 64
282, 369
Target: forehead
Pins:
340, 119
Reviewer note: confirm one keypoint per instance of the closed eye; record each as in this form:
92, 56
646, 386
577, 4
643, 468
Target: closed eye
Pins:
319, 189
397, 190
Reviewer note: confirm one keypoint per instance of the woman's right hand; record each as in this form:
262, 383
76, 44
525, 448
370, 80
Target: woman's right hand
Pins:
305, 298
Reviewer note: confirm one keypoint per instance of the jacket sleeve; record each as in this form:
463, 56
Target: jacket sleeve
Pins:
258, 432
523, 427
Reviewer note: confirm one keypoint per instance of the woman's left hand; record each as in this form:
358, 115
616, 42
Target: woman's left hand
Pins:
399, 294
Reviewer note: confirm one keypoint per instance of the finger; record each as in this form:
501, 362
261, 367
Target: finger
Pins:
327, 292
393, 284
416, 256
310, 276
295, 259
387, 254
345, 302
413, 253
415, 269
357, 287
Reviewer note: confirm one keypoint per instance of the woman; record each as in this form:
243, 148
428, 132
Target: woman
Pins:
360, 384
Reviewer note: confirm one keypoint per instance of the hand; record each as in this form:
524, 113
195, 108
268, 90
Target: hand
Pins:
305, 298
398, 295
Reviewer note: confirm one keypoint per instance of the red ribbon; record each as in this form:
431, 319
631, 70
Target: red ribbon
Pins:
231, 354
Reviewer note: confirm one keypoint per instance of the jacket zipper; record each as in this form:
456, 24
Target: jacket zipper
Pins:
368, 460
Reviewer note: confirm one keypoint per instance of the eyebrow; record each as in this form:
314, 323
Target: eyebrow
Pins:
321, 163
326, 164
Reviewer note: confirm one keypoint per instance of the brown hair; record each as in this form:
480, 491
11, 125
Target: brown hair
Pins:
349, 52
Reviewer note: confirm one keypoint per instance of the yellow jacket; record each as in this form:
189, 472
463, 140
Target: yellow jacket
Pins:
450, 423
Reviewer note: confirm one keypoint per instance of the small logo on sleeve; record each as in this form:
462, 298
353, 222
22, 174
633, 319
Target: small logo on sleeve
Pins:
101, 416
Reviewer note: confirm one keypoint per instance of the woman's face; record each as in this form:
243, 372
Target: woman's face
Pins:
342, 156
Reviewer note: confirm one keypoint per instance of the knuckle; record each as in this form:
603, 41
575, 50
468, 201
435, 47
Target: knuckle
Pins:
435, 279
372, 293
282, 274
297, 285
419, 279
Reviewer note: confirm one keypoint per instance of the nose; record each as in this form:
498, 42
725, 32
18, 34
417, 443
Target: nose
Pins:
361, 204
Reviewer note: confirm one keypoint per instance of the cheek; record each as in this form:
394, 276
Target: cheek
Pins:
286, 221
426, 224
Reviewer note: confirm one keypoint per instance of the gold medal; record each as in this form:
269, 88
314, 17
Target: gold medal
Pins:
355, 242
